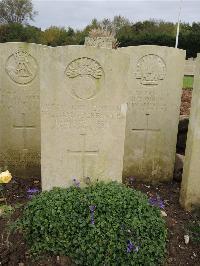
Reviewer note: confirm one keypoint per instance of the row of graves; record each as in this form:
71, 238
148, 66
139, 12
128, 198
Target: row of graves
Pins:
91, 112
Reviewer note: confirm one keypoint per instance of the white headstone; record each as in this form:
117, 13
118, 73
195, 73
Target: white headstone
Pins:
20, 108
190, 187
155, 81
190, 67
82, 114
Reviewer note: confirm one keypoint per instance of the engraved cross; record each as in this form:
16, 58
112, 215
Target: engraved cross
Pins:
24, 127
146, 130
83, 152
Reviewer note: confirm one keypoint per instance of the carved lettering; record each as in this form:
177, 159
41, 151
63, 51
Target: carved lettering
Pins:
147, 100
81, 117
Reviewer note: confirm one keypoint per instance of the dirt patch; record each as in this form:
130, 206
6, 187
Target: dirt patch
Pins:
177, 220
186, 102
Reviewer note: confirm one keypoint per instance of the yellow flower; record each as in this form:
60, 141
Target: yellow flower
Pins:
5, 177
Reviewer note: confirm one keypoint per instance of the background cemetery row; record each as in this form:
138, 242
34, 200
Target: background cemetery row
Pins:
94, 112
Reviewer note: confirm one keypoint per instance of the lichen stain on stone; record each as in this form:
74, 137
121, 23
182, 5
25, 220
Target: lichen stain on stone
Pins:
149, 170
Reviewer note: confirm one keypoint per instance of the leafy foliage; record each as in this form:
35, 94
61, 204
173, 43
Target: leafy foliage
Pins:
127, 33
193, 228
102, 224
16, 11
6, 210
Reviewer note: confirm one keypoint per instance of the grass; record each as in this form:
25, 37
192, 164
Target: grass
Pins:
188, 82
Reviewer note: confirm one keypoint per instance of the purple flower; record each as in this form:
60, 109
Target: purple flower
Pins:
157, 202
131, 247
92, 210
32, 191
76, 182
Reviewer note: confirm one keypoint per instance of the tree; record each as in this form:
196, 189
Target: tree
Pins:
120, 22
16, 11
55, 36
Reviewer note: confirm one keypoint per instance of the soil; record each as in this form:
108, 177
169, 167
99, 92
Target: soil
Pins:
14, 251
186, 102
177, 220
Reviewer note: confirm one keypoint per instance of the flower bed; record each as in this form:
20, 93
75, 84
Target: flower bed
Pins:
102, 224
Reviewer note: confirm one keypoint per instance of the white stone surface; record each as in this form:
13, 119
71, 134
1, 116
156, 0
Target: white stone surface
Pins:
189, 69
155, 80
190, 187
20, 108
83, 92
83, 114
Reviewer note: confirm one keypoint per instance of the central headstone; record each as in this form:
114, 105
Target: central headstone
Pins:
83, 114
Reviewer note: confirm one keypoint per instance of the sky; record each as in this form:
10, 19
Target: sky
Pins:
78, 14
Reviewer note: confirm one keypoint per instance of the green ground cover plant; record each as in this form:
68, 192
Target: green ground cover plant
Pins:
195, 232
101, 224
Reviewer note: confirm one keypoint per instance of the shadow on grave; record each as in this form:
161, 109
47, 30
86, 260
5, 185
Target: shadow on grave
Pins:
181, 146
26, 164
